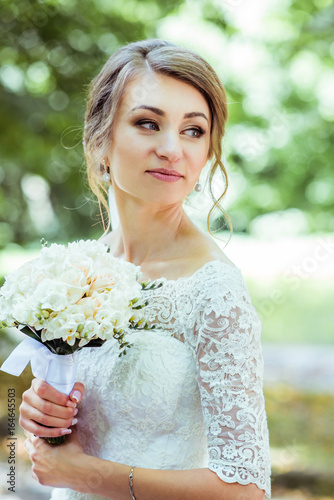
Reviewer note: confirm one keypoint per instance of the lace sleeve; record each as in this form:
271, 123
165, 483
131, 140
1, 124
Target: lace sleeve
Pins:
230, 377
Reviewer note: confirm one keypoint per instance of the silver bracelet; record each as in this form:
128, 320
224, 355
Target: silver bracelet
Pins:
131, 483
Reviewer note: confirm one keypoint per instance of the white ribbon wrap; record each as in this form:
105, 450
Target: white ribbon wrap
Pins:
57, 370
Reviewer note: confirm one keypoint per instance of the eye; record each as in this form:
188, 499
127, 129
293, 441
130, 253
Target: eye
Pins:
195, 132
148, 124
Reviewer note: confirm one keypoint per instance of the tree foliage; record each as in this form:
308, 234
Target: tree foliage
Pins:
278, 142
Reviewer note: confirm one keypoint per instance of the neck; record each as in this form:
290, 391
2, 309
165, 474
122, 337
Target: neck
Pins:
148, 232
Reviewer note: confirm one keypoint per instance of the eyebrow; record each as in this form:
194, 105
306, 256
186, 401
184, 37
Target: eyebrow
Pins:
159, 112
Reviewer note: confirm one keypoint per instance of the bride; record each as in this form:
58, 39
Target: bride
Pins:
181, 415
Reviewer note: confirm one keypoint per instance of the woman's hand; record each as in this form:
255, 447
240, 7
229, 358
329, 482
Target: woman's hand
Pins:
53, 465
47, 412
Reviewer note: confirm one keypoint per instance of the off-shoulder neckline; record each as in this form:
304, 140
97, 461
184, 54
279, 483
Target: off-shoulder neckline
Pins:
198, 271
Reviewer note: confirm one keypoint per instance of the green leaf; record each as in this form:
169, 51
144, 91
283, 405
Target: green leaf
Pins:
148, 285
141, 305
30, 332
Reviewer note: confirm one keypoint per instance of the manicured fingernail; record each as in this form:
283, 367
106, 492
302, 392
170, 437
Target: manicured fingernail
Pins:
76, 396
75, 411
74, 421
66, 431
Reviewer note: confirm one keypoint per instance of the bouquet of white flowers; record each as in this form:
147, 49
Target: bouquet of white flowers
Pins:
68, 298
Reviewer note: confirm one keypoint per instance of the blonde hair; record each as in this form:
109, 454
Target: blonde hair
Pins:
107, 90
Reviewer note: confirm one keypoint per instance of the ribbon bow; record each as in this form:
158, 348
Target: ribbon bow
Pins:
57, 370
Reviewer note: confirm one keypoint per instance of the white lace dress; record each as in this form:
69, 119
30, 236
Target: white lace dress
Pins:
186, 396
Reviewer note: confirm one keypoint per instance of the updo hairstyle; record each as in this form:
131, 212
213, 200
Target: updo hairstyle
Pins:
106, 92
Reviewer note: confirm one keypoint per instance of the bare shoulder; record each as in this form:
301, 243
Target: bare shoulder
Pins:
197, 251
207, 250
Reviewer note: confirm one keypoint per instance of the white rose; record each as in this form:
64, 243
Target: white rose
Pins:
73, 277
80, 262
68, 330
85, 306
106, 330
50, 295
52, 292
90, 330
117, 317
101, 279
53, 325
50, 335
23, 310
5, 313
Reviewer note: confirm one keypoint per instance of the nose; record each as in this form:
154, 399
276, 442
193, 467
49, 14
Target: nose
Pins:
169, 147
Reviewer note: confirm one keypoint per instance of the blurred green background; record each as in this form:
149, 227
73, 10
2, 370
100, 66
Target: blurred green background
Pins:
275, 59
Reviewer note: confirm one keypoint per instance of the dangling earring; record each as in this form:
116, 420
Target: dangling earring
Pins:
198, 187
106, 176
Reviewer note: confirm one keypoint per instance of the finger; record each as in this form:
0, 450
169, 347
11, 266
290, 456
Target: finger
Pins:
33, 475
39, 431
43, 418
77, 392
30, 399
28, 434
27, 446
49, 393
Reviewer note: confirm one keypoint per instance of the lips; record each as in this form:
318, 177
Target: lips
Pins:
165, 171
165, 175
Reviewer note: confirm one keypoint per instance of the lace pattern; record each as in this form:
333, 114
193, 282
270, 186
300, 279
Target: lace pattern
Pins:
188, 395
230, 368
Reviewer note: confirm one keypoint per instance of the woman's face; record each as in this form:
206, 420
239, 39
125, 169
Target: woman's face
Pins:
160, 139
